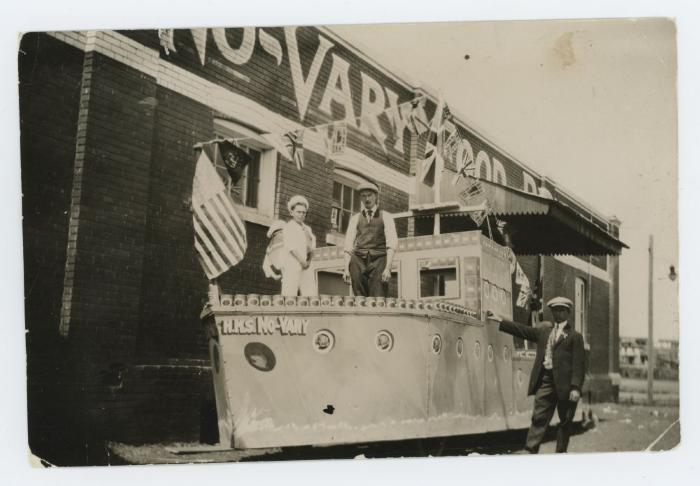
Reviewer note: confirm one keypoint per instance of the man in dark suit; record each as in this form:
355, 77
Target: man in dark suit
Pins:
557, 375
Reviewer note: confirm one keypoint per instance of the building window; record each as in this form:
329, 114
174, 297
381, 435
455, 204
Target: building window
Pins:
346, 202
438, 278
581, 309
246, 190
255, 191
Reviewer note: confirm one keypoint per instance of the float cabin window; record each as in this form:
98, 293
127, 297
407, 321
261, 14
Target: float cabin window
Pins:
439, 282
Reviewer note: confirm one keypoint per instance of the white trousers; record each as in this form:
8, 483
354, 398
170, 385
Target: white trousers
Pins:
296, 279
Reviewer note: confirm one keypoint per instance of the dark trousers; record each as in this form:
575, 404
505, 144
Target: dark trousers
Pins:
366, 275
546, 401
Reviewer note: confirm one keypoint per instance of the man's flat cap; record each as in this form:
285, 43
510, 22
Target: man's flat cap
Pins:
560, 302
368, 186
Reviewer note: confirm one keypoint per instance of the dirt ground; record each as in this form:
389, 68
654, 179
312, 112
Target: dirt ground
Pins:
617, 428
632, 390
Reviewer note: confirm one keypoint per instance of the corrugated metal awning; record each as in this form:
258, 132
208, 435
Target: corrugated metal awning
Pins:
541, 226
544, 226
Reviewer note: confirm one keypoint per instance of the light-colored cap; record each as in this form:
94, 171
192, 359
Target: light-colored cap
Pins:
297, 200
560, 302
368, 186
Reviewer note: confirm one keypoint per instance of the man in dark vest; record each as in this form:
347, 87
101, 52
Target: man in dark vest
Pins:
370, 244
557, 374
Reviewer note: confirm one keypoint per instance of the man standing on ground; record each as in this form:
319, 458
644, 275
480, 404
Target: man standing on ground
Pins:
557, 374
370, 244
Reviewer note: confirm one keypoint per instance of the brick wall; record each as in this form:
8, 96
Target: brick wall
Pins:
560, 280
49, 89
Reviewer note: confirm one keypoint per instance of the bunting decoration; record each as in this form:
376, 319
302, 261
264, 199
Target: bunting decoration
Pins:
433, 146
417, 121
294, 143
219, 233
290, 144
525, 289
339, 138
166, 37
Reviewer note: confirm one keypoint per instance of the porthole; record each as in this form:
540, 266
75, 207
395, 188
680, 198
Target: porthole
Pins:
323, 341
384, 341
459, 347
506, 353
477, 350
489, 352
259, 356
436, 344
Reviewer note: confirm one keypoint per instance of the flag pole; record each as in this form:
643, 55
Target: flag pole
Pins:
650, 342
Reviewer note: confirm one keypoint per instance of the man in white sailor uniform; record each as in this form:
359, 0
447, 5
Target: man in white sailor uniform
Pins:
370, 245
557, 374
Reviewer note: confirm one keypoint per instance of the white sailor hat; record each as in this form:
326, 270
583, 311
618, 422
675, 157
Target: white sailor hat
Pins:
368, 186
560, 302
294, 200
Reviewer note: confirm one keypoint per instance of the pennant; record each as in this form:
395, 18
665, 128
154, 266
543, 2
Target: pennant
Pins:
219, 233
525, 289
294, 144
417, 120
338, 138
166, 37
478, 216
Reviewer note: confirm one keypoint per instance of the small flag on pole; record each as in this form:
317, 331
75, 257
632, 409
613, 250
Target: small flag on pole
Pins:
219, 233
294, 143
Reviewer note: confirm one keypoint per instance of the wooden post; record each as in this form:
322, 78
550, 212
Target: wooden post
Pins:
650, 342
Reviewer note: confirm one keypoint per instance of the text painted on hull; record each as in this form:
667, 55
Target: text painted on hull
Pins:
264, 325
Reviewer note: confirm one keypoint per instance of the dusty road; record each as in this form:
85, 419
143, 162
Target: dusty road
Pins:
619, 428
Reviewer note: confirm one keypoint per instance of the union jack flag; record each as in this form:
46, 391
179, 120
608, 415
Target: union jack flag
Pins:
433, 146
417, 122
219, 233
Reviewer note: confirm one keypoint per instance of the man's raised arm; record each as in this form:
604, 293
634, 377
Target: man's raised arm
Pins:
513, 328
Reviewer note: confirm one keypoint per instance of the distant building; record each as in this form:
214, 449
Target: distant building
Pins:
634, 356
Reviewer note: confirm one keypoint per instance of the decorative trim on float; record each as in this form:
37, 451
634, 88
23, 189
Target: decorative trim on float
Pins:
247, 303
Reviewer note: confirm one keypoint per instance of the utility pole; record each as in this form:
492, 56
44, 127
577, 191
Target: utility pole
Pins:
650, 342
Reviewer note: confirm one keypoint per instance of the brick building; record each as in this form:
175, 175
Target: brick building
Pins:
113, 287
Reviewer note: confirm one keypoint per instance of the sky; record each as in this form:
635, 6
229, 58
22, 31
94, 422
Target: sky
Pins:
590, 104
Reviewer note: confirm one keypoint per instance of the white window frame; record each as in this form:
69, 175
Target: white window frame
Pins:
347, 178
264, 213
581, 308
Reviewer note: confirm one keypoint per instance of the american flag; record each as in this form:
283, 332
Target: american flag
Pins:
219, 233
294, 143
